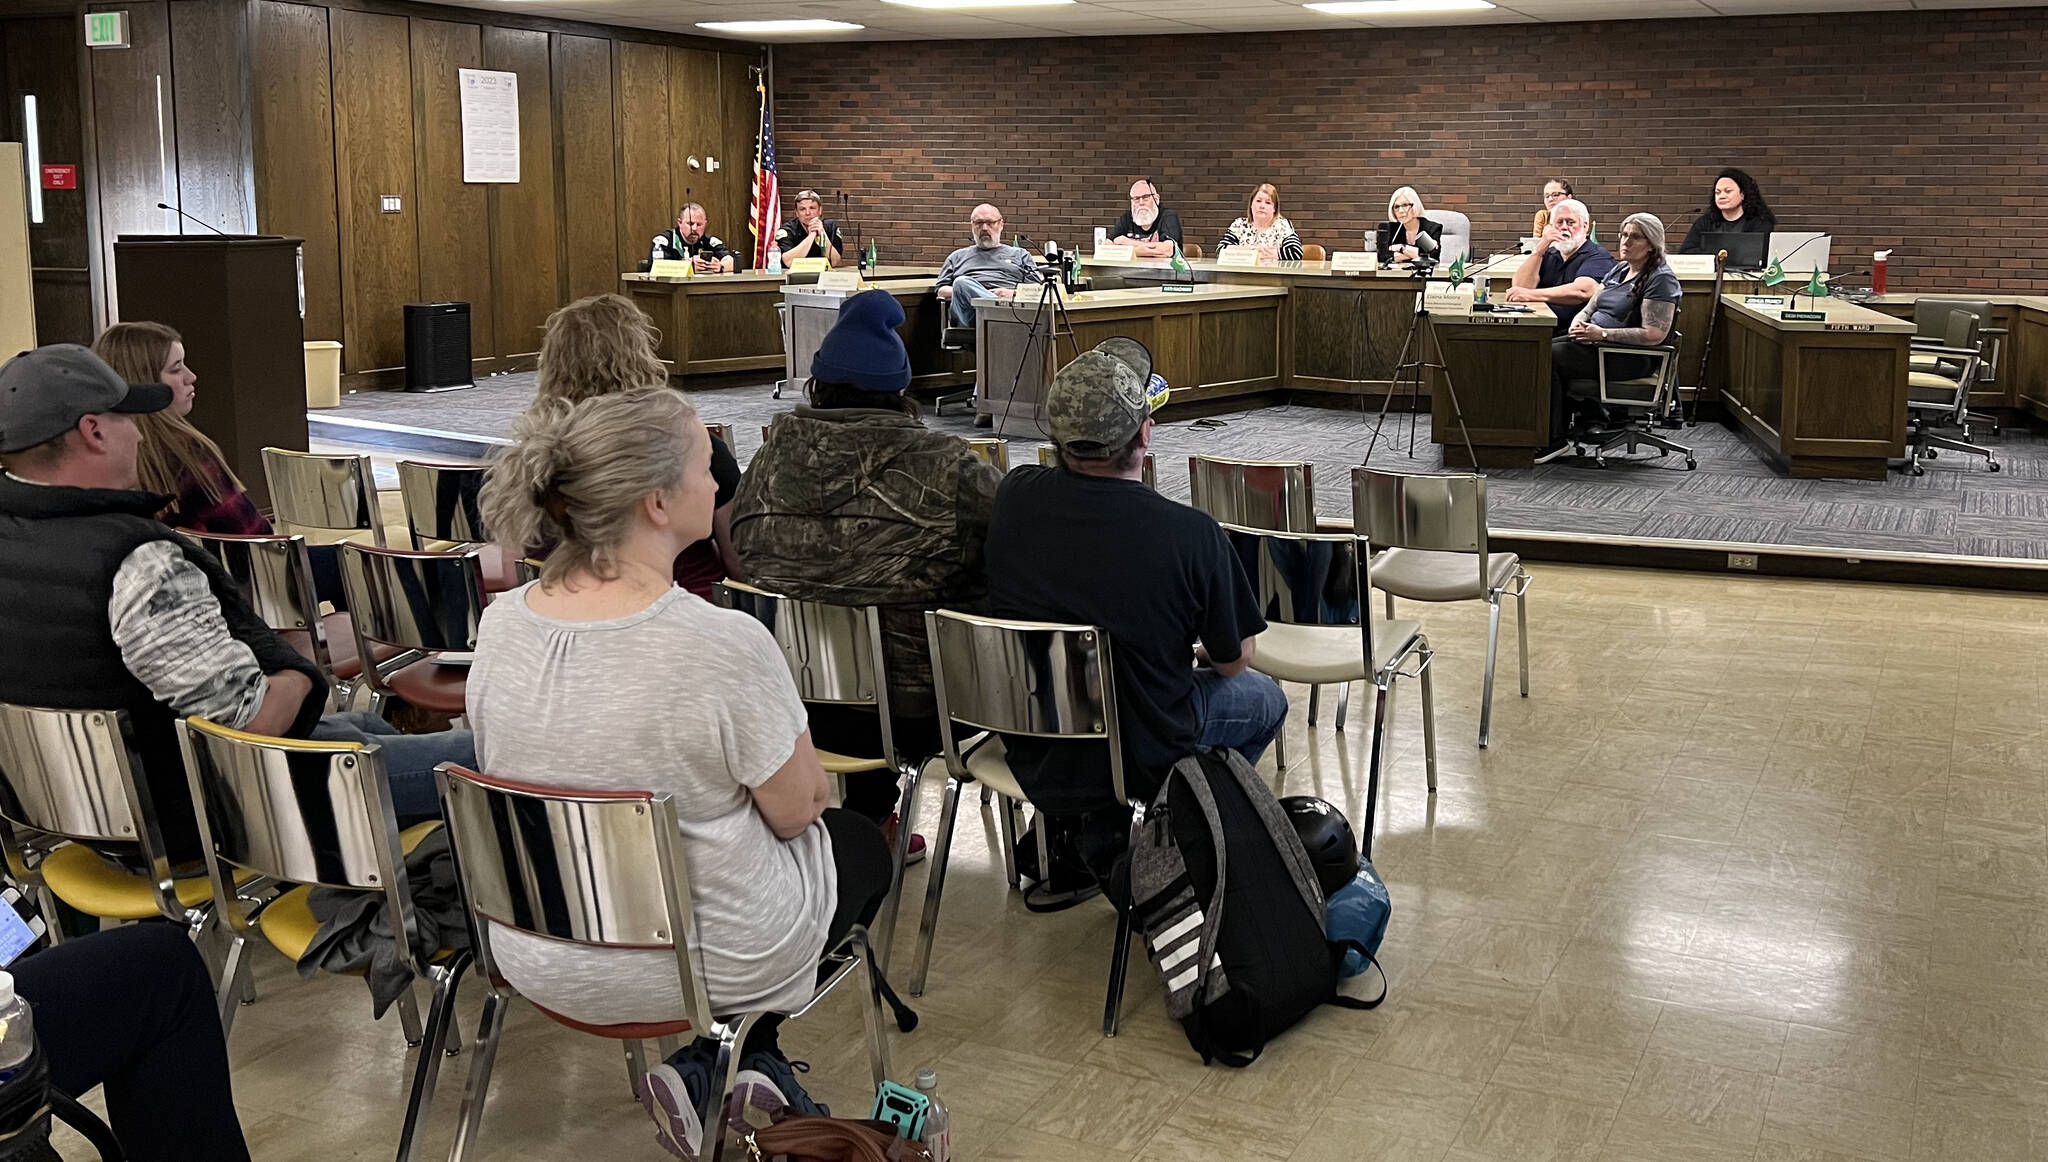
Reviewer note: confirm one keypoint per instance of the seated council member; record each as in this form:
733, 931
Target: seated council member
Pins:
1637, 304
1735, 207
984, 269
809, 234
690, 239
1151, 230
1566, 269
1406, 235
1554, 191
1263, 229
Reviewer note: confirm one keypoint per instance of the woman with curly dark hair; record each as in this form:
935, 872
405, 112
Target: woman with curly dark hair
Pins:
1736, 206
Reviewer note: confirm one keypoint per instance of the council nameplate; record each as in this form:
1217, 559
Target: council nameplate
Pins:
1354, 262
1684, 264
1238, 256
1115, 252
839, 280
1764, 302
808, 266
1445, 298
670, 268
1803, 316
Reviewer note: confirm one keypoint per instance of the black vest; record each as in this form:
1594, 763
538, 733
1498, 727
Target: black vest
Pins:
59, 550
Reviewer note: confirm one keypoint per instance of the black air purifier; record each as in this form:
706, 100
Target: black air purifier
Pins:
437, 347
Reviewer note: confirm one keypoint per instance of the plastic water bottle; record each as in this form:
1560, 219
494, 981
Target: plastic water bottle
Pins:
17, 1030
938, 1127
775, 260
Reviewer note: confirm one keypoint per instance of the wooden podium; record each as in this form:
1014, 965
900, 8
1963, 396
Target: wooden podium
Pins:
236, 299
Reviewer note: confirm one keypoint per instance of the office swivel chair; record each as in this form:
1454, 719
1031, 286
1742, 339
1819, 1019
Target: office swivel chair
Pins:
1938, 389
1930, 317
1643, 403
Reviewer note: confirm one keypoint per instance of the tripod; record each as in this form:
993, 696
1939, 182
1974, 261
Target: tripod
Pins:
1421, 342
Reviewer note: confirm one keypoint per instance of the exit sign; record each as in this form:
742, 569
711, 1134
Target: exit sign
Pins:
106, 30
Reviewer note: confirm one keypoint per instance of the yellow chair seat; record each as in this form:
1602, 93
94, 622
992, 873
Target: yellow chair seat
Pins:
989, 763
839, 764
288, 922
1930, 380
80, 878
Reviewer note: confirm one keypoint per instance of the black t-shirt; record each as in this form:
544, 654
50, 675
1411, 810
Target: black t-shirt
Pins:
1157, 575
793, 232
709, 246
1590, 260
1712, 222
1165, 228
700, 564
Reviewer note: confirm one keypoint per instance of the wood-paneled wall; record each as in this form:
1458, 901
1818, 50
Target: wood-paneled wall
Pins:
343, 102
40, 55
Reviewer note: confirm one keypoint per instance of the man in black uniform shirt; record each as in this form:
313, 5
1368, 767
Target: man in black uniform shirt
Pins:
809, 234
1150, 228
690, 240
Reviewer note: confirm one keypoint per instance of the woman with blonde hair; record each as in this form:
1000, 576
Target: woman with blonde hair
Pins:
175, 458
1407, 235
1263, 229
604, 344
604, 675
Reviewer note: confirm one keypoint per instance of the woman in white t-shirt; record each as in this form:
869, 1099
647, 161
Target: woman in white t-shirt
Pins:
605, 675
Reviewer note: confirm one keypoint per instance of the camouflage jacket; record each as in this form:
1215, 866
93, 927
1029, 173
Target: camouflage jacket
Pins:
859, 506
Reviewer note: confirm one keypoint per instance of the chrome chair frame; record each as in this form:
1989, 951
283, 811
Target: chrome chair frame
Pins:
549, 862
1278, 565
275, 573
1049, 457
441, 503
378, 579
1426, 512
1042, 679
316, 814
1657, 408
1961, 348
835, 657
335, 494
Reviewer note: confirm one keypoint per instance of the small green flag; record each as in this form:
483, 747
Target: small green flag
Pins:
874, 256
1815, 287
1775, 273
1458, 270
1179, 263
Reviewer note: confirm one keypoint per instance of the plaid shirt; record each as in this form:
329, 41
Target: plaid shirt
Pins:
234, 513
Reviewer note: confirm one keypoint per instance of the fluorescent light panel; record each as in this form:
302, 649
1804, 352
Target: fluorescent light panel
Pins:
976, 5
34, 133
1397, 7
769, 27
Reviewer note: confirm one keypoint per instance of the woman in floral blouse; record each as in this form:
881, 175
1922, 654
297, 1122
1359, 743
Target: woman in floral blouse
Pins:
1264, 229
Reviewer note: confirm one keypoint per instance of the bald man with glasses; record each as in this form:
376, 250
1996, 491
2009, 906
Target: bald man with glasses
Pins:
1151, 230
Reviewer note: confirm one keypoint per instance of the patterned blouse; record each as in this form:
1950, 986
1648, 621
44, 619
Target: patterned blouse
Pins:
1279, 235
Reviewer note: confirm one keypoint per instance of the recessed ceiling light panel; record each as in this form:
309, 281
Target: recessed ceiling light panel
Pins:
1397, 7
771, 27
960, 5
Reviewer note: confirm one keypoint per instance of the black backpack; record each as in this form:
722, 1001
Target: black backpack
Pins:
1231, 910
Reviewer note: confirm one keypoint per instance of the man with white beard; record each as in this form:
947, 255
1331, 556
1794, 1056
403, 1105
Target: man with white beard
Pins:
1566, 269
1151, 229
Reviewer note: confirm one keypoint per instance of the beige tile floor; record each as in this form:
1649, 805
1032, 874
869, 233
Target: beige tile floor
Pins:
1756, 873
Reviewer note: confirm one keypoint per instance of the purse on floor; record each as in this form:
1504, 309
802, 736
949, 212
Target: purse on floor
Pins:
810, 1138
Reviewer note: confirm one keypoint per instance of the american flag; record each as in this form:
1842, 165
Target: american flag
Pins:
765, 212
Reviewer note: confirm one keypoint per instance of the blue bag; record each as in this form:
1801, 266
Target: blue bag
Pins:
1358, 912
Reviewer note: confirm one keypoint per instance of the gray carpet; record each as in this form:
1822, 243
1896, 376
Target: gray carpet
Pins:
1734, 496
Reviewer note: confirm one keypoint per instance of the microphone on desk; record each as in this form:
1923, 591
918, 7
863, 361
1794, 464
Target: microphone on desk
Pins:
182, 214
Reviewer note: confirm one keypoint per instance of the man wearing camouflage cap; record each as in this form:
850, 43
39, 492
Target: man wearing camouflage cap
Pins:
1087, 541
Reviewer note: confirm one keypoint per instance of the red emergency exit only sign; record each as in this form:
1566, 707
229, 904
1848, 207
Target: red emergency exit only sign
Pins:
60, 177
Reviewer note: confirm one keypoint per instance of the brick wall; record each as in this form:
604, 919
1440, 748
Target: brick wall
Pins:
1923, 131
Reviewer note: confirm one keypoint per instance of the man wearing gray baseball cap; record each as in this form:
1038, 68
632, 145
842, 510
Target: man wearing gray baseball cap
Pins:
1087, 541
104, 607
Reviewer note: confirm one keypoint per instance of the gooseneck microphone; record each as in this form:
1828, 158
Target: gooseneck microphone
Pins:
189, 218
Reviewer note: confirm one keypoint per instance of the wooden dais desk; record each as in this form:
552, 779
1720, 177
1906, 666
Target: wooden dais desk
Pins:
1822, 398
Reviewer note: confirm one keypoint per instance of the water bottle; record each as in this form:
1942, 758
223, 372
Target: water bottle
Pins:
775, 260
938, 1127
17, 1030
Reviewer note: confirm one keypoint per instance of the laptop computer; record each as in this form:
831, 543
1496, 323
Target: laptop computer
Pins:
1745, 251
1801, 251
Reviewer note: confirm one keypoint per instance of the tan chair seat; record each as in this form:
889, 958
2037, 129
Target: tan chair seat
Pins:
1320, 654
1932, 381
839, 764
989, 763
1422, 575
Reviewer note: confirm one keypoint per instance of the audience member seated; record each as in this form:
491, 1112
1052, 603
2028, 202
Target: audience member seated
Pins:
1566, 269
604, 344
984, 269
131, 1010
1636, 305
104, 607
1554, 191
691, 239
1151, 229
809, 234
1087, 542
1735, 207
605, 675
851, 500
1408, 236
1263, 229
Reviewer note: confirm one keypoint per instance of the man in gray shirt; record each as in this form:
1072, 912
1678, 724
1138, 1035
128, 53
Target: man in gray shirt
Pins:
984, 270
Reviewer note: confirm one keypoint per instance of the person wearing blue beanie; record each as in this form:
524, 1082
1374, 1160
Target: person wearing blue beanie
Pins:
852, 500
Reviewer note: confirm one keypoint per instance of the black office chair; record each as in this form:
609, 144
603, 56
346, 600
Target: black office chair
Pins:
1643, 403
1938, 388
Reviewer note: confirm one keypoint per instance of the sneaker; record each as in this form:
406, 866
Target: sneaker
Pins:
781, 1072
754, 1103
667, 1099
984, 420
917, 847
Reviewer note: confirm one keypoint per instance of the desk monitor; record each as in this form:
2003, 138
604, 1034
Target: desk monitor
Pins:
1745, 251
1801, 251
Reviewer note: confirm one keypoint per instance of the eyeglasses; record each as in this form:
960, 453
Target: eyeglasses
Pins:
1136, 198
1404, 205
1638, 235
987, 222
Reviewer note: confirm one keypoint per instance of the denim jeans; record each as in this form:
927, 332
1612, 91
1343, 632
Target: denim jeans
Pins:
965, 291
409, 759
1243, 712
